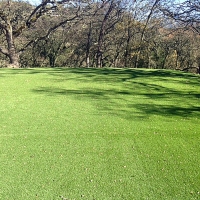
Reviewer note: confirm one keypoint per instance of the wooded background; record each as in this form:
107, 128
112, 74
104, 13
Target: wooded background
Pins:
101, 33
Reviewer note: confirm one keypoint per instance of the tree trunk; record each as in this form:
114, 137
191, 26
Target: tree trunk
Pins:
88, 46
14, 60
12, 54
102, 34
177, 63
143, 33
198, 65
126, 55
100, 43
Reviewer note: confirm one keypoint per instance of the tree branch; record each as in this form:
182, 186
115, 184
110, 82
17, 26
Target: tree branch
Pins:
42, 9
49, 32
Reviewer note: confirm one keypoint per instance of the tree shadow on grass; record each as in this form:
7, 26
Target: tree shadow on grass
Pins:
133, 104
96, 74
140, 95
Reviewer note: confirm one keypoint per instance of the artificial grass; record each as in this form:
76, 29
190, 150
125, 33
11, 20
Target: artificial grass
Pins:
99, 134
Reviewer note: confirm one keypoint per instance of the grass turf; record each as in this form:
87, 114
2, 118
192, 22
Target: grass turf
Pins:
99, 134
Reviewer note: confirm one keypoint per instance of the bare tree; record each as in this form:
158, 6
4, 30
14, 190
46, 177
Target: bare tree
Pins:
109, 7
152, 8
186, 14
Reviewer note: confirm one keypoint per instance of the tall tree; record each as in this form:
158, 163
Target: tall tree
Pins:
16, 17
152, 8
109, 7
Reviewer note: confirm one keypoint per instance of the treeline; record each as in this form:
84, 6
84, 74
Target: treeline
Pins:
137, 34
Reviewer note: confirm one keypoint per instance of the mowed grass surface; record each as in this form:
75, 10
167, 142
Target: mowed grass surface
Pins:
99, 134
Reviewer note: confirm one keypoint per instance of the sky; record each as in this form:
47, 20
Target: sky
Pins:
34, 2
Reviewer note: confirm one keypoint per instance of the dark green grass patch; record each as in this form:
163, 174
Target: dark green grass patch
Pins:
99, 134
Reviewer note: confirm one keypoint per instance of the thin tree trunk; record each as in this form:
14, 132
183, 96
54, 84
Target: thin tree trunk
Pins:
115, 60
88, 46
101, 36
177, 56
127, 46
100, 43
143, 33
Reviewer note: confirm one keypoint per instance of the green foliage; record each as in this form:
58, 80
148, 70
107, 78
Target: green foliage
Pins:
99, 134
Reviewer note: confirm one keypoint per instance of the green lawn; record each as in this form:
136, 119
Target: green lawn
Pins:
103, 134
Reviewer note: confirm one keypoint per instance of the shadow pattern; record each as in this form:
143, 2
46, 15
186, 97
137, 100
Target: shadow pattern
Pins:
132, 92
